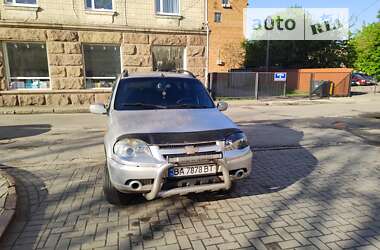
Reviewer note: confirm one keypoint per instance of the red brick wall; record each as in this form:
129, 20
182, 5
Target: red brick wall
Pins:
299, 79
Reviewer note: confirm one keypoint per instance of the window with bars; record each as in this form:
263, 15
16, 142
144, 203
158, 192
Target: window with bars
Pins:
99, 4
27, 65
167, 7
102, 65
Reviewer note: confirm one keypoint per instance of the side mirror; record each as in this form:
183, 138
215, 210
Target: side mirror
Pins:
98, 108
222, 106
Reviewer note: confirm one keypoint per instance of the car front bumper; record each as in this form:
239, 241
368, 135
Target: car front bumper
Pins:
153, 175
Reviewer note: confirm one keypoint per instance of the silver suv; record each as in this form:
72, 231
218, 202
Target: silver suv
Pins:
166, 137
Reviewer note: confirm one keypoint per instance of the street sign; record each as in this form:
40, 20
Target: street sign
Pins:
280, 77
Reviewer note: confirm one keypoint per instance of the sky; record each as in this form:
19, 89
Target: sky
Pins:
360, 10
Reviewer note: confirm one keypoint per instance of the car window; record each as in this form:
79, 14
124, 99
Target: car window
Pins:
161, 93
359, 76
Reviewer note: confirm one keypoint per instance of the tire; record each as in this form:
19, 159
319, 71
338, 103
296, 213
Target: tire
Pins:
225, 191
110, 193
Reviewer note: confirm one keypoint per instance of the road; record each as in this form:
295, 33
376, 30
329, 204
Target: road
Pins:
315, 184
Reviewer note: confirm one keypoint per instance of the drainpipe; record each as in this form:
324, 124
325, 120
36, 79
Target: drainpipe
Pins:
207, 41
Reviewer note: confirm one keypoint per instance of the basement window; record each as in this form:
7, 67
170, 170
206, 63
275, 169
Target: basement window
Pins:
102, 65
99, 5
27, 65
168, 58
22, 2
167, 7
218, 17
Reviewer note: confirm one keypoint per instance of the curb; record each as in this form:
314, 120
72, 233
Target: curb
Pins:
85, 109
232, 102
289, 102
43, 110
10, 203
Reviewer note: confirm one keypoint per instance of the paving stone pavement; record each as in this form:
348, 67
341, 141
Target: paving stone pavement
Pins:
8, 200
313, 196
3, 193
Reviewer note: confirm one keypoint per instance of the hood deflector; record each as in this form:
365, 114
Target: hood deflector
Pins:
182, 137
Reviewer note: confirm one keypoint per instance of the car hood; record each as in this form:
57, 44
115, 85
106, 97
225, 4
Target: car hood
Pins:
167, 121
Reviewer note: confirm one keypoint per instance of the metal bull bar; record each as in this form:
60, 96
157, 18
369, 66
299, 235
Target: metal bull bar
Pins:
158, 181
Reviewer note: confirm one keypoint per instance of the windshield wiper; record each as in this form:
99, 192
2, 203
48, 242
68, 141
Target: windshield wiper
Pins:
190, 106
144, 105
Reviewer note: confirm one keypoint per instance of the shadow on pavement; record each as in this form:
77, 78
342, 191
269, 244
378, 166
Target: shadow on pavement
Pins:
286, 189
279, 161
30, 213
78, 207
17, 131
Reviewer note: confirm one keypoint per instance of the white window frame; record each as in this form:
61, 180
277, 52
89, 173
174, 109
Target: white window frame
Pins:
92, 8
226, 5
105, 77
8, 76
161, 12
14, 3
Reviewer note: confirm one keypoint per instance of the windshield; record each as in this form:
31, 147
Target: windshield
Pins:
161, 93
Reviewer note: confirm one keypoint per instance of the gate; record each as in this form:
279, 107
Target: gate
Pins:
245, 85
233, 84
269, 87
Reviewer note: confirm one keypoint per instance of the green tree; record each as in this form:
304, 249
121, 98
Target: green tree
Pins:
300, 54
367, 47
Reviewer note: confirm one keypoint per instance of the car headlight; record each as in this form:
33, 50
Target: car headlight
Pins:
132, 149
236, 141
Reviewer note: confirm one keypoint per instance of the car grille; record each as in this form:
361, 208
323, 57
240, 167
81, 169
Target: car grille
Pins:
176, 146
200, 153
199, 158
188, 182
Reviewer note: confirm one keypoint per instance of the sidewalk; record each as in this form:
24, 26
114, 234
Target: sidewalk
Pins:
283, 101
44, 109
367, 98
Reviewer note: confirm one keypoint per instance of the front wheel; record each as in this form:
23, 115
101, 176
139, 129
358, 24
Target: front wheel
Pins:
110, 193
113, 196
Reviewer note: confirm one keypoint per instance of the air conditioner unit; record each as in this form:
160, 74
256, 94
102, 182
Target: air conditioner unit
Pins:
226, 5
219, 62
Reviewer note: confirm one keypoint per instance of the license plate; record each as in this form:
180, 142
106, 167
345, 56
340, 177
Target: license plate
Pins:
192, 170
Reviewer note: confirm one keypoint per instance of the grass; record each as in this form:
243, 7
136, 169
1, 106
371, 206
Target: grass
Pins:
296, 93
234, 98
289, 93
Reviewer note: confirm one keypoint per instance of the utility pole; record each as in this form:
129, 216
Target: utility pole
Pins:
267, 57
207, 40
268, 20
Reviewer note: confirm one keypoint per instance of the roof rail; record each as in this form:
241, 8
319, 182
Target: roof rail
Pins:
183, 71
124, 73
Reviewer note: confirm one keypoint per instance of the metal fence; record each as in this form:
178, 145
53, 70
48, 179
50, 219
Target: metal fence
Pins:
245, 85
267, 86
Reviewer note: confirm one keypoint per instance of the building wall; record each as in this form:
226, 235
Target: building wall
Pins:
227, 36
131, 13
64, 26
66, 68
299, 79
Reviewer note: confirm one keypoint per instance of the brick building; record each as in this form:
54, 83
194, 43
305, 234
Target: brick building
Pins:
225, 18
69, 52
